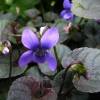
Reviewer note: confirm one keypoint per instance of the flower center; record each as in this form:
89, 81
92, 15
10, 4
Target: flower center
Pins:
40, 52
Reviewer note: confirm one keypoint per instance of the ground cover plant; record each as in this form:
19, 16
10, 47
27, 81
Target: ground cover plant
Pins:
49, 49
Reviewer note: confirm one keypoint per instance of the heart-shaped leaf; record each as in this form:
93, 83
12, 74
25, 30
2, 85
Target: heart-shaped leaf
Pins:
29, 88
91, 59
62, 51
88, 9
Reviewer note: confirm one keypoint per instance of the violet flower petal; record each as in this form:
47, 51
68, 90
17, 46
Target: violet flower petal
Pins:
38, 59
25, 58
66, 14
51, 60
29, 39
66, 4
50, 38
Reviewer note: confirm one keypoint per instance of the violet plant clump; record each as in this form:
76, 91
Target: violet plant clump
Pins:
39, 47
74, 63
66, 12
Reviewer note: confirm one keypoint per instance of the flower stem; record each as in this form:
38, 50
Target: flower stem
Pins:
10, 69
55, 51
62, 85
18, 48
80, 21
42, 9
58, 60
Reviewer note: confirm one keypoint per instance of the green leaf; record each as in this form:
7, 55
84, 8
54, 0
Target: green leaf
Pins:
62, 51
26, 3
4, 87
67, 60
77, 95
91, 30
90, 57
23, 5
22, 88
32, 13
27, 88
68, 88
87, 9
50, 16
3, 24
3, 6
12, 39
9, 2
5, 19
5, 66
8, 17
38, 21
33, 71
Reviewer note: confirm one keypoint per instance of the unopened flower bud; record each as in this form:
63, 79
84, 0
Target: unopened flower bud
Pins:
5, 50
7, 44
79, 68
68, 27
43, 29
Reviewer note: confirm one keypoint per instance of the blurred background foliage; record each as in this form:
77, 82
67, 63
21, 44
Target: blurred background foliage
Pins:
13, 5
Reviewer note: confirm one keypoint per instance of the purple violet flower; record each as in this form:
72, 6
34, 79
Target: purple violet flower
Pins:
66, 13
39, 47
